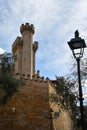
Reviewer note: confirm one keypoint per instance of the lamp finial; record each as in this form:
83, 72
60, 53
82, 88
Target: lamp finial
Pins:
76, 33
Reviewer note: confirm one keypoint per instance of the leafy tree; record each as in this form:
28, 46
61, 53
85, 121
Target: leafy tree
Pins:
65, 88
8, 84
74, 77
85, 116
66, 96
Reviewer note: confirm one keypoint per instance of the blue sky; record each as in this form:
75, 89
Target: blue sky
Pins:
85, 94
55, 22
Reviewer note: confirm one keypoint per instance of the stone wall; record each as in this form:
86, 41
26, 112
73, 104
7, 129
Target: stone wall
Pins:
29, 109
26, 110
63, 121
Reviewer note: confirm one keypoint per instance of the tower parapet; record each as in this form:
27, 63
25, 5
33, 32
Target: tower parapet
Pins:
27, 27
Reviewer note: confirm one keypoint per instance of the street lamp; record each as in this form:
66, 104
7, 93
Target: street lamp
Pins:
77, 46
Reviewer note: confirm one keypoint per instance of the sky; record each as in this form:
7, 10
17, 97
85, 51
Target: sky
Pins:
85, 94
55, 22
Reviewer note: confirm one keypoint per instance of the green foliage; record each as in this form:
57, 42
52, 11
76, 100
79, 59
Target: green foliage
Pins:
53, 98
64, 89
8, 83
85, 116
79, 118
65, 95
74, 77
10, 87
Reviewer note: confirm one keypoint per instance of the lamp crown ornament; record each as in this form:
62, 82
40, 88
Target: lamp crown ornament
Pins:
76, 33
77, 42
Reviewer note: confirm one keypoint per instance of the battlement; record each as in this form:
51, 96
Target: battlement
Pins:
35, 46
35, 77
16, 43
27, 27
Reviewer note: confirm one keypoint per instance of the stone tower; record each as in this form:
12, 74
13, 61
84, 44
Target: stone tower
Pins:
24, 51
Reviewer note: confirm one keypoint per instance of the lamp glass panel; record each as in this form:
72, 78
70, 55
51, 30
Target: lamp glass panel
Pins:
78, 53
77, 45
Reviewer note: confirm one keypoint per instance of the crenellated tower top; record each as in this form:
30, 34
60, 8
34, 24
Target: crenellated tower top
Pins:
27, 27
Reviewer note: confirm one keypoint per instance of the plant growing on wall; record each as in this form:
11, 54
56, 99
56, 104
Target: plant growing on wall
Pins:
65, 96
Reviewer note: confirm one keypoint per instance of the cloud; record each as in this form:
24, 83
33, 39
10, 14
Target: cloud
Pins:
55, 22
1, 51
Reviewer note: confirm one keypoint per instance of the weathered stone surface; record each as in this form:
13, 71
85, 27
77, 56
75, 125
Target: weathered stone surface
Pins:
26, 109
30, 109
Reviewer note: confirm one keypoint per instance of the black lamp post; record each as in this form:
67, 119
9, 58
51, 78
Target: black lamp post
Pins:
77, 46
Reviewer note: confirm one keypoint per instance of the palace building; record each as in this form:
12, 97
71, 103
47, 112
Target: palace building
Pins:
31, 108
